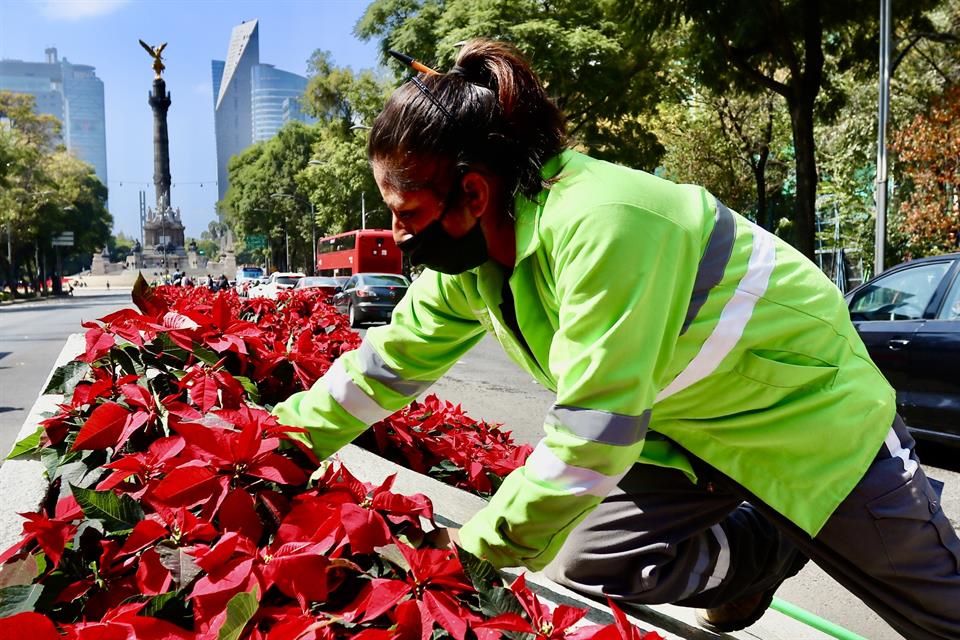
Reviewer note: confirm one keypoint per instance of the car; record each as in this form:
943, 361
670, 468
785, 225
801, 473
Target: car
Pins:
276, 282
325, 284
909, 319
368, 297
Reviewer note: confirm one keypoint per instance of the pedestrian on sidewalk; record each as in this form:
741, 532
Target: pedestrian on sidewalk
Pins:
718, 419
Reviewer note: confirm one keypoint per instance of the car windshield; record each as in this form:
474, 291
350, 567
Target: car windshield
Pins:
287, 279
383, 281
318, 282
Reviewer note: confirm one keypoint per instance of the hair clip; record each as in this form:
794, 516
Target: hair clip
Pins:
429, 96
413, 64
422, 68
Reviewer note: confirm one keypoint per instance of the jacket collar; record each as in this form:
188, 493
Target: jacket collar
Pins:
528, 211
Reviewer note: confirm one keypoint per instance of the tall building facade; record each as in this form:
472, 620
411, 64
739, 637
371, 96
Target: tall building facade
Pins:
232, 117
70, 92
270, 88
251, 101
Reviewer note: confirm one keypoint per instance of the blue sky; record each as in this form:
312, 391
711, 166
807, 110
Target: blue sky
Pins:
104, 33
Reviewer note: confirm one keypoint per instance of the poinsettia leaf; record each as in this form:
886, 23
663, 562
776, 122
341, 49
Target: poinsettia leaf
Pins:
30, 625
447, 612
481, 574
384, 595
144, 297
205, 355
240, 609
19, 598
186, 486
495, 601
66, 377
253, 393
126, 361
19, 572
146, 532
159, 605
117, 512
103, 428
183, 567
28, 445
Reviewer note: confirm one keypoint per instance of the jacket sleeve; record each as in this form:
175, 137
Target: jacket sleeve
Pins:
623, 280
431, 328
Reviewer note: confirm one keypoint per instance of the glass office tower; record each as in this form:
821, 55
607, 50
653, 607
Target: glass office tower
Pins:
70, 92
271, 86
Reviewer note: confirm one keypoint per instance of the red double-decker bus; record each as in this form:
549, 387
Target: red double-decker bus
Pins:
360, 251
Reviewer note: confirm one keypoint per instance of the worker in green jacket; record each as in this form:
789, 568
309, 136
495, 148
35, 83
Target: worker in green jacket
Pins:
717, 418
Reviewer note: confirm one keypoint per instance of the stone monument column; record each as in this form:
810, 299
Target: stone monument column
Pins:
160, 102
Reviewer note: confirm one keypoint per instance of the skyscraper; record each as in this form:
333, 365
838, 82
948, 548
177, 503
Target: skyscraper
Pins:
251, 101
73, 94
271, 87
232, 112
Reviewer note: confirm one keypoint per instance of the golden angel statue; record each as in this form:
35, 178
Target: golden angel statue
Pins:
157, 58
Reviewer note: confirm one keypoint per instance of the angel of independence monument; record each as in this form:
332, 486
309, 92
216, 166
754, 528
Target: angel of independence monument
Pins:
163, 240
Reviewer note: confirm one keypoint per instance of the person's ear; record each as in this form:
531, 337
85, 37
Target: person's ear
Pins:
478, 191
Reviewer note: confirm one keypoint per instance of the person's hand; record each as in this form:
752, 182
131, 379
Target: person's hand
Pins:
444, 537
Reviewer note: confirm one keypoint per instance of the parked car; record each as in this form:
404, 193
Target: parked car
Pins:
368, 297
276, 282
909, 318
325, 284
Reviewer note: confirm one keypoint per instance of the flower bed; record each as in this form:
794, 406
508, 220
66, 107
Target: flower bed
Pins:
179, 508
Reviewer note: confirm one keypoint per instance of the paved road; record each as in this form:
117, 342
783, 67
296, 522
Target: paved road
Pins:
485, 382
31, 336
490, 386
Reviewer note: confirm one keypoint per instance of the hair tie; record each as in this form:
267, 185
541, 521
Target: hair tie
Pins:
458, 71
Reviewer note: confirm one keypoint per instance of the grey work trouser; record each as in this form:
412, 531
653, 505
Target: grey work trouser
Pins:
659, 538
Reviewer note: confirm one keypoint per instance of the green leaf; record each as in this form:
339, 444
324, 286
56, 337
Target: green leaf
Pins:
239, 611
126, 360
482, 574
497, 600
253, 393
208, 356
117, 512
179, 563
159, 603
66, 377
19, 598
29, 445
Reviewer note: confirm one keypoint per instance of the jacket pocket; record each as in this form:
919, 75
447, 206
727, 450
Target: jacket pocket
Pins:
915, 532
785, 370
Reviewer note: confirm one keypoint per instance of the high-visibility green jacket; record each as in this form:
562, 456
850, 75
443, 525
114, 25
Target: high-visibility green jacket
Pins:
649, 309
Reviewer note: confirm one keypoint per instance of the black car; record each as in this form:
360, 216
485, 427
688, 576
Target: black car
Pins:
909, 318
369, 297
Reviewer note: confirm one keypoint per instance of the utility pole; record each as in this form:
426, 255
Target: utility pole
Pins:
883, 112
363, 210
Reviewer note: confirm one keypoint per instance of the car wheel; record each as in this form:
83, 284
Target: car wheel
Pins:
352, 314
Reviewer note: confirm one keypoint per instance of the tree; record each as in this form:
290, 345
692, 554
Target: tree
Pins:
602, 74
928, 149
924, 65
259, 173
46, 190
779, 46
735, 145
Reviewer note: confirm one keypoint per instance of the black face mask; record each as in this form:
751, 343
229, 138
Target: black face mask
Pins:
433, 247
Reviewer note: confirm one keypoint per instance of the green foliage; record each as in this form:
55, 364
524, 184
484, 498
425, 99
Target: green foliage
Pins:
118, 512
602, 73
46, 191
274, 183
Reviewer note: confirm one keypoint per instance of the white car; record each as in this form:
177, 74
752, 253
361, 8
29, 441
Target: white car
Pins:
277, 281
